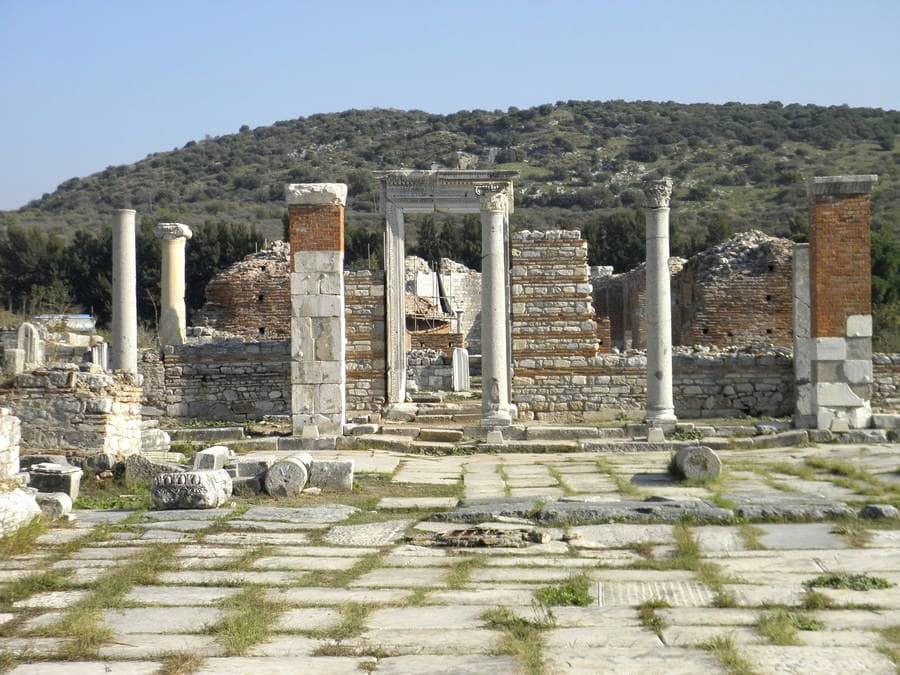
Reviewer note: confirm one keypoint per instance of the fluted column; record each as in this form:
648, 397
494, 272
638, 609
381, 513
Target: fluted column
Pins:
124, 292
173, 315
495, 409
660, 404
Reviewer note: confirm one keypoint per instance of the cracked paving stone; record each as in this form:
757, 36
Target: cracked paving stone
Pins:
417, 503
845, 660
273, 526
52, 600
331, 513
188, 514
455, 664
616, 535
426, 618
147, 645
104, 552
162, 619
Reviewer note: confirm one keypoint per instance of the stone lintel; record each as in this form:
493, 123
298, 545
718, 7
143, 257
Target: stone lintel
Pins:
841, 185
171, 231
316, 194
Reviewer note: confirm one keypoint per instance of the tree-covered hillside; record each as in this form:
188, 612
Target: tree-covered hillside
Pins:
735, 165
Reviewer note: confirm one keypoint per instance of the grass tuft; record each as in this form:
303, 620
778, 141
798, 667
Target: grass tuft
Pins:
522, 639
649, 618
22, 540
781, 626
179, 663
853, 582
574, 592
250, 620
724, 649
459, 572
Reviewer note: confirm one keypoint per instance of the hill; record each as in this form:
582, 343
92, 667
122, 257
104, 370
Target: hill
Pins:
735, 166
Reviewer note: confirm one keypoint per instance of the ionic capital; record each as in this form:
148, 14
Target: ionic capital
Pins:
657, 193
172, 231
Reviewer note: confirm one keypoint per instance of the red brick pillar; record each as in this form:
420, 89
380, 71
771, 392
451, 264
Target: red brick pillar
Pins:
840, 301
318, 368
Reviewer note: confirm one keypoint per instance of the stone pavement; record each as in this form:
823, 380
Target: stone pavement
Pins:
309, 586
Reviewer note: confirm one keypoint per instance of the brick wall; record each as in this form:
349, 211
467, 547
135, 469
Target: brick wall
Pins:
840, 269
736, 293
252, 297
315, 228
366, 355
444, 342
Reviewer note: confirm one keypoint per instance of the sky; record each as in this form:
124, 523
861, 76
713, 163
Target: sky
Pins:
87, 84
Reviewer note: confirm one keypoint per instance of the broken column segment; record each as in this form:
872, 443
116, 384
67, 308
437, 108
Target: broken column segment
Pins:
841, 301
318, 370
172, 315
660, 403
124, 292
495, 404
288, 477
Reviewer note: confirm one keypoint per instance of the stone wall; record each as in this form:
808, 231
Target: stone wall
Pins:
227, 379
463, 286
443, 341
77, 412
736, 293
10, 438
428, 370
886, 383
252, 297
366, 357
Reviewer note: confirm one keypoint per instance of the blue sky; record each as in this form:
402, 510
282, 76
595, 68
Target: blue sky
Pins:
86, 84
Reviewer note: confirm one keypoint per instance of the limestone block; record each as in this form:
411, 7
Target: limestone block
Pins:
17, 508
836, 395
886, 421
858, 372
859, 325
316, 372
319, 261
332, 475
288, 477
830, 349
13, 361
212, 458
54, 504
698, 463
247, 486
249, 468
330, 399
302, 341
140, 470
56, 478
317, 305
191, 490
155, 440
460, 369
328, 334
316, 194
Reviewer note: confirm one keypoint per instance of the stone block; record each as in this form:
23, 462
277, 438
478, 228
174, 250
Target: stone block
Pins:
319, 261
247, 486
837, 395
288, 477
250, 468
317, 306
879, 512
27, 461
140, 470
56, 478
460, 369
857, 372
155, 440
191, 490
332, 475
698, 463
316, 194
886, 421
331, 399
829, 349
212, 458
54, 504
656, 435
859, 325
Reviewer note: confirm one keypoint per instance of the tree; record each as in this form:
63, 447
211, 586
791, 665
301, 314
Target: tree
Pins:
718, 229
616, 239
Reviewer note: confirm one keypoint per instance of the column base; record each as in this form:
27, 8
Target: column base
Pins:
660, 417
496, 419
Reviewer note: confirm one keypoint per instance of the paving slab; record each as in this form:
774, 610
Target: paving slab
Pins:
307, 618
521, 574
329, 513
179, 596
579, 638
676, 593
188, 514
441, 641
718, 538
446, 665
708, 616
484, 598
800, 536
227, 578
313, 596
26, 646
396, 577
104, 552
618, 535
844, 660
146, 645
324, 551
695, 636
626, 661
52, 600
273, 526
287, 645
305, 563
417, 503
282, 665
368, 534
426, 618
256, 538
161, 619
88, 668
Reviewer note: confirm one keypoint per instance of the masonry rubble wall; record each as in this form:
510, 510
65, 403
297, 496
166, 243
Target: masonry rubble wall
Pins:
886, 383
77, 412
366, 340
429, 370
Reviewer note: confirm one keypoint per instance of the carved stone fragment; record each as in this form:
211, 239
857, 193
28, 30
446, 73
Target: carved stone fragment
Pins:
191, 490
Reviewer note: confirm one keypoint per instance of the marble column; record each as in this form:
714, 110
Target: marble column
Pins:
495, 408
803, 412
124, 292
660, 404
173, 315
395, 292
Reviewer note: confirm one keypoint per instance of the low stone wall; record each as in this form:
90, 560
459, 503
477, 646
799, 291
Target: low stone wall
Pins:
10, 438
886, 383
705, 385
77, 412
228, 379
429, 370
445, 343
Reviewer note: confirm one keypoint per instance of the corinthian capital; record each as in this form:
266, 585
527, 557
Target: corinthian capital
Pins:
493, 196
657, 193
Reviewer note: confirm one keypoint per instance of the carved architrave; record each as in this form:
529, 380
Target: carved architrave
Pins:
493, 197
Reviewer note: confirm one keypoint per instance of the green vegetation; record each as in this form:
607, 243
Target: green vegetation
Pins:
522, 638
459, 572
781, 626
649, 618
22, 540
724, 649
853, 582
735, 166
250, 620
574, 592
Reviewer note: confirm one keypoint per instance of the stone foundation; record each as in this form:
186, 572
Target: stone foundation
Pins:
77, 413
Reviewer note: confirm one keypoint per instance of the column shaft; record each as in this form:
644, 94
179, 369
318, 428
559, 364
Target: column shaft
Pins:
660, 404
395, 292
495, 409
124, 291
173, 314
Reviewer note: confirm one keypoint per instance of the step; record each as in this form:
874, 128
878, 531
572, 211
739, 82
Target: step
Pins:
205, 434
440, 435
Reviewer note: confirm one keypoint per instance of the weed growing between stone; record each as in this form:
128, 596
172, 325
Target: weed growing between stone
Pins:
723, 648
781, 627
522, 639
351, 623
855, 532
245, 560
853, 582
250, 621
624, 486
179, 663
816, 600
750, 536
340, 578
22, 540
559, 478
459, 572
648, 616
574, 592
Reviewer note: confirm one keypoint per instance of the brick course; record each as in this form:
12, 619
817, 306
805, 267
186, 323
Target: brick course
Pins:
315, 228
